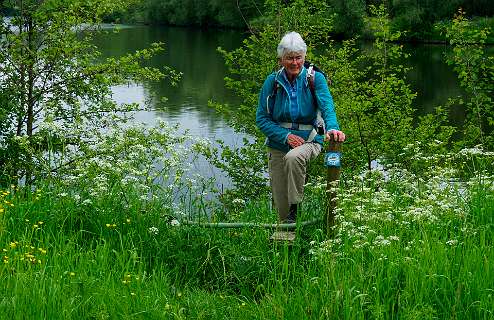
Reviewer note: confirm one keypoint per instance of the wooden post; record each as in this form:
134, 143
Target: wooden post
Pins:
333, 165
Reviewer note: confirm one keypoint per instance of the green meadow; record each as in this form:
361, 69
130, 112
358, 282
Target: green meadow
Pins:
403, 247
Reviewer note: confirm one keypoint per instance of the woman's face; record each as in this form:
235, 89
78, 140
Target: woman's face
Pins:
293, 62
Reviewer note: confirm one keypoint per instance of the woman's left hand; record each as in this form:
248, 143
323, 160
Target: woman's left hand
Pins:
338, 135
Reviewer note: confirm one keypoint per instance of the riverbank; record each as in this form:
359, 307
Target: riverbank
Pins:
404, 246
436, 34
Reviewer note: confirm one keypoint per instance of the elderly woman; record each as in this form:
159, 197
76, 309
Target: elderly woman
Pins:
288, 115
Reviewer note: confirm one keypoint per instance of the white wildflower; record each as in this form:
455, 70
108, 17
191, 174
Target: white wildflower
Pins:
382, 257
240, 202
153, 231
452, 242
380, 241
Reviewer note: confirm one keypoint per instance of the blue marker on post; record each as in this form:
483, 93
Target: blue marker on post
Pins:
332, 159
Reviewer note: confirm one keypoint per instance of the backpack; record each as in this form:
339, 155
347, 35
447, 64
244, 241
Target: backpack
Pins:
311, 75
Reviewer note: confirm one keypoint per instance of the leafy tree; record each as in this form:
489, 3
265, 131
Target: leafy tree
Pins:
475, 68
348, 16
54, 78
478, 7
196, 12
417, 17
374, 102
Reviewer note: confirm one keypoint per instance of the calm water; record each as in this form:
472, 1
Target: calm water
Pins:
193, 52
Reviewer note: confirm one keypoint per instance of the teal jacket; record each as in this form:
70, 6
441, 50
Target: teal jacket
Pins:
274, 109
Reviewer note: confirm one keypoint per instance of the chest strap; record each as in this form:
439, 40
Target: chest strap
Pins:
299, 126
296, 126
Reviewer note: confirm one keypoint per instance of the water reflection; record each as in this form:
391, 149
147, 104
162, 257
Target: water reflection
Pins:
192, 52
433, 79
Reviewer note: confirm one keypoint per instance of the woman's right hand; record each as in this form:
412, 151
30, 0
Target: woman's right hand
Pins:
295, 141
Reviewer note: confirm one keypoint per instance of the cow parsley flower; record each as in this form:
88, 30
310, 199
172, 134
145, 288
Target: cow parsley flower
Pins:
154, 231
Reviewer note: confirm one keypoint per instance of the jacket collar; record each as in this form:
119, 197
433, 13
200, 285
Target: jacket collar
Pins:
282, 79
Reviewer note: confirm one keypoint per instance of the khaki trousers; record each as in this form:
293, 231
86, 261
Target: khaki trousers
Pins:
287, 175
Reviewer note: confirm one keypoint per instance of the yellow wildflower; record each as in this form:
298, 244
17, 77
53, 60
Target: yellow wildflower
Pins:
13, 245
8, 203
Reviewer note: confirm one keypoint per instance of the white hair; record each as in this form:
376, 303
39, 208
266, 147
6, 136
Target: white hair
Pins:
291, 42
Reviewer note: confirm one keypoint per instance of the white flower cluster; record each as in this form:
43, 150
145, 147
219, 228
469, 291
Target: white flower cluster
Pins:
152, 163
476, 151
154, 231
376, 211
239, 202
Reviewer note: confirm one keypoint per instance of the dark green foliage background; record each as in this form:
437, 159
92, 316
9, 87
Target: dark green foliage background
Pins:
416, 17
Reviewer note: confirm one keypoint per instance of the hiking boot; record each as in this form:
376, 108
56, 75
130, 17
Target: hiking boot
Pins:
292, 214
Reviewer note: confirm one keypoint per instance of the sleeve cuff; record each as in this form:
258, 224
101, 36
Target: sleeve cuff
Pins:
286, 137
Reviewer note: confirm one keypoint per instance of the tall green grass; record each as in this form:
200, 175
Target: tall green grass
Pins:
404, 247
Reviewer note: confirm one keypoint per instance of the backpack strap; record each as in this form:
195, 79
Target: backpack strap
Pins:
276, 87
311, 80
